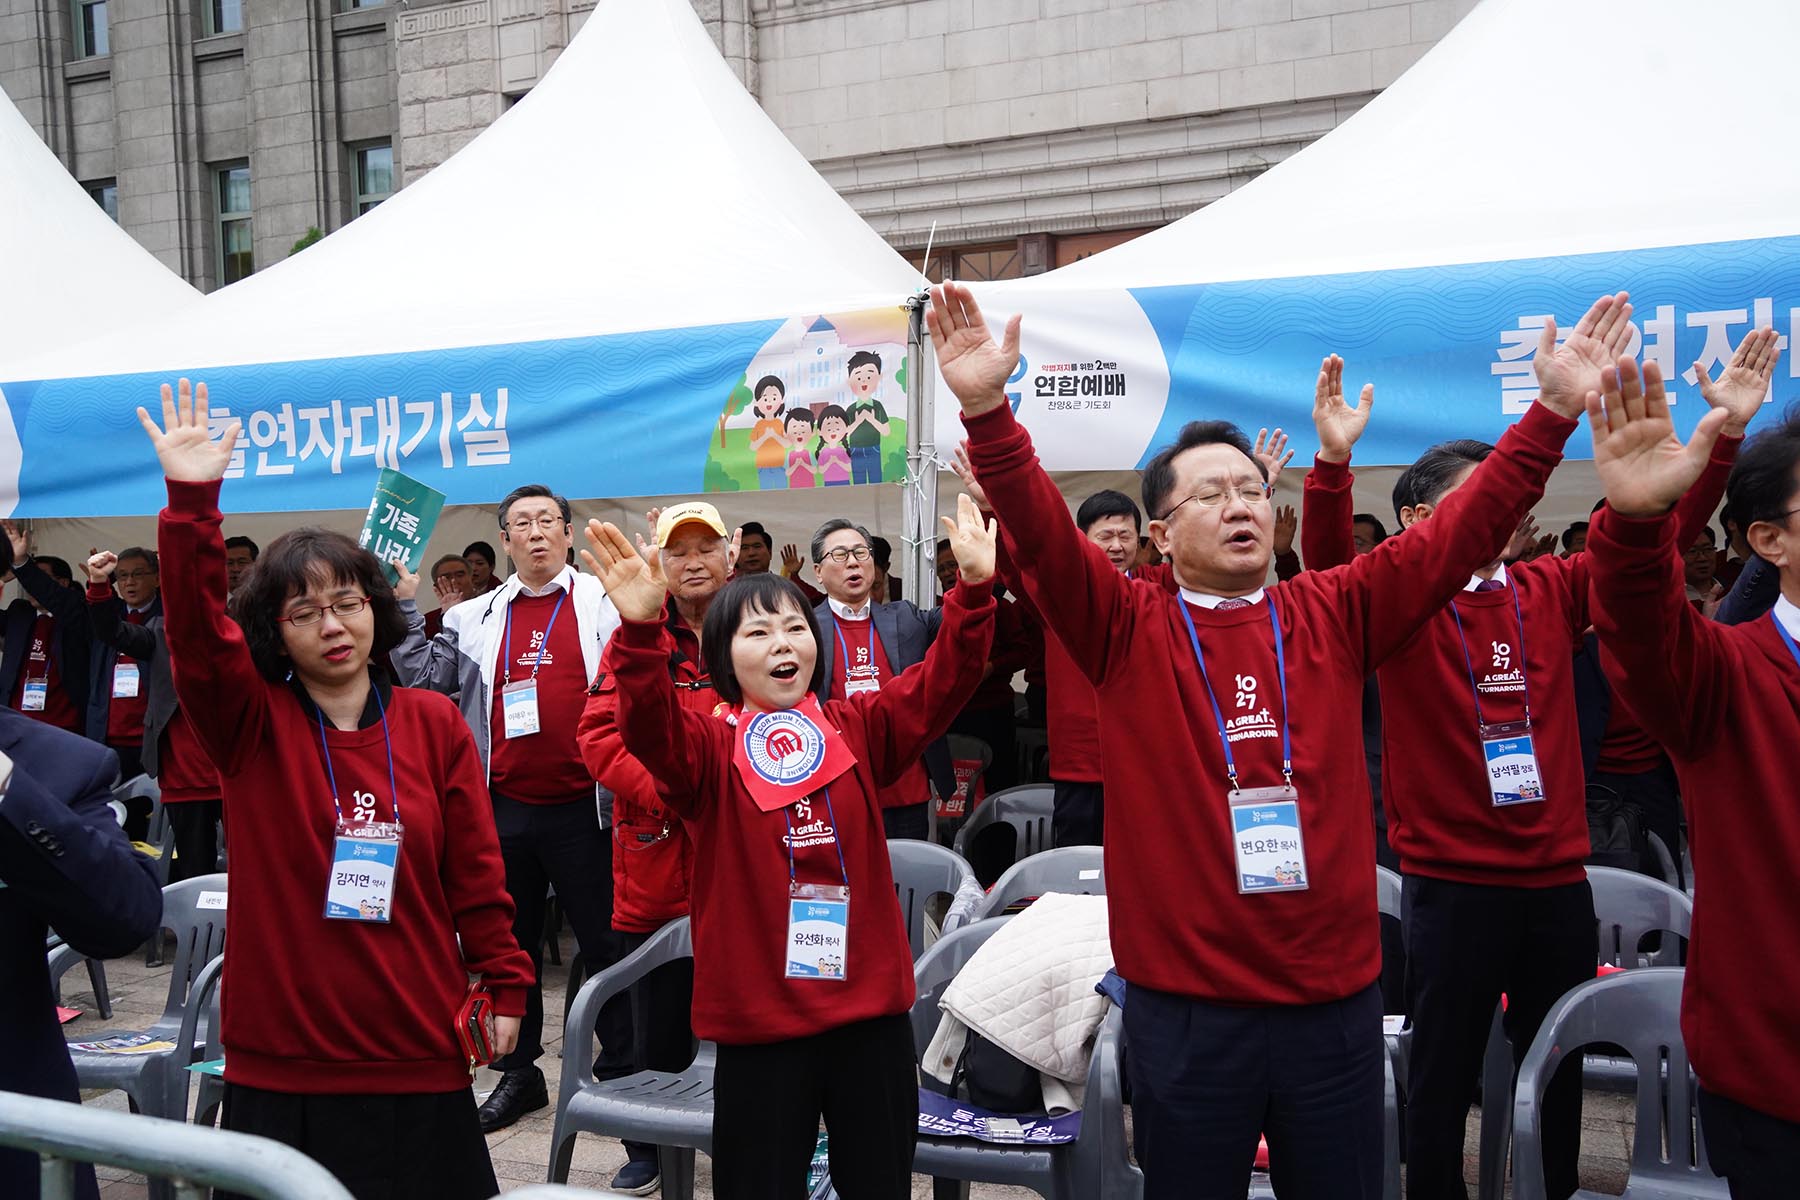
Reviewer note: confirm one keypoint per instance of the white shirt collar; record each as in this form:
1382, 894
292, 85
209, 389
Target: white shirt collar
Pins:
1789, 616
564, 579
142, 608
1475, 581
850, 614
1207, 600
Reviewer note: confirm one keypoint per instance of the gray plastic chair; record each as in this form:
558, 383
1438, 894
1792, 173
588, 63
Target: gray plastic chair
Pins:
63, 958
1665, 862
1640, 1011
962, 748
1630, 906
203, 1013
1075, 870
672, 1110
1029, 809
923, 870
1096, 1164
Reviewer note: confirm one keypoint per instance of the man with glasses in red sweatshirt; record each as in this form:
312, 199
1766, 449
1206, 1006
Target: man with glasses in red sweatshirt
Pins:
1242, 893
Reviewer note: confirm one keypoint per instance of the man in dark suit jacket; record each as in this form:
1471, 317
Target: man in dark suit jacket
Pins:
64, 864
118, 692
50, 584
868, 643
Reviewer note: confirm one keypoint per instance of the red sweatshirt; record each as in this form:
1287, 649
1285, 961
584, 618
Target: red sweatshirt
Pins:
317, 1005
1725, 703
653, 856
542, 767
1178, 922
740, 897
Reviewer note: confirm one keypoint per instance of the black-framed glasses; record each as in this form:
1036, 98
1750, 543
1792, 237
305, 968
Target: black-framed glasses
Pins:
312, 614
124, 575
844, 554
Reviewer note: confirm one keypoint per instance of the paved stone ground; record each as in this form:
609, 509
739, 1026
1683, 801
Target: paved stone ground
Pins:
521, 1154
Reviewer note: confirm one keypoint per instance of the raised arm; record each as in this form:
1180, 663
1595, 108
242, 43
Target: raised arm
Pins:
1667, 662
139, 641
1327, 524
1081, 598
215, 680
64, 603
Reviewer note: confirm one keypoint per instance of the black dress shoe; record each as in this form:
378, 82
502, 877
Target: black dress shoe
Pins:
518, 1093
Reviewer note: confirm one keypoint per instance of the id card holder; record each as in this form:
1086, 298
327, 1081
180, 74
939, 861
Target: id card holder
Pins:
125, 681
1512, 765
1265, 834
364, 860
854, 686
519, 708
818, 933
37, 691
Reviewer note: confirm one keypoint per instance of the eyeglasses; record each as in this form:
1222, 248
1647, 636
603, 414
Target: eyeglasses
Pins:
548, 523
1215, 496
844, 554
349, 606
124, 575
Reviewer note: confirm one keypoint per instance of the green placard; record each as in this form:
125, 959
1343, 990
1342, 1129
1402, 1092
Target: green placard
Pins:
401, 518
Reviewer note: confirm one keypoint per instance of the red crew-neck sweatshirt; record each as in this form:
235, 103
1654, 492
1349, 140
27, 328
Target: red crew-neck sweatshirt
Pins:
1724, 700
740, 887
1178, 922
309, 1004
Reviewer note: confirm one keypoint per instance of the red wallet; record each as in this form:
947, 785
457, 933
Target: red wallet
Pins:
475, 1027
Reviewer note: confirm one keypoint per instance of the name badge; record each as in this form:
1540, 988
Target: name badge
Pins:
818, 931
519, 708
364, 858
854, 686
125, 681
1512, 764
36, 692
1265, 832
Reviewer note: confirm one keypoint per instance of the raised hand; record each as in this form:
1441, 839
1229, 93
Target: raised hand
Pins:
1642, 464
791, 562
1338, 425
100, 566
736, 548
1524, 537
406, 582
971, 362
1272, 450
965, 471
1743, 385
184, 444
1286, 522
635, 585
448, 594
972, 541
1567, 373
21, 543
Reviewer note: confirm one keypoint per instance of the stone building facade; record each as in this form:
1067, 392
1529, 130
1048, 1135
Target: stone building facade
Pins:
1027, 133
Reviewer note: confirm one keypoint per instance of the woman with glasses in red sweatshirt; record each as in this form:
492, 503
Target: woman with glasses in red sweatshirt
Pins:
362, 847
802, 970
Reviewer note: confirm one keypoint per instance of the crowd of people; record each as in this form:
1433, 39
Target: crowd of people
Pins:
688, 728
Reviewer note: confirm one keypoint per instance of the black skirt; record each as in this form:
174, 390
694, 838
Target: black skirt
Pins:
414, 1146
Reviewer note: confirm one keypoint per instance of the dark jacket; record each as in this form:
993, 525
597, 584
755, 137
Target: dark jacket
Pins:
66, 864
106, 618
905, 630
73, 634
114, 635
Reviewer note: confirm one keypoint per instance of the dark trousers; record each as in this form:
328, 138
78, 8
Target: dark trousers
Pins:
1465, 945
658, 1011
1207, 1079
1078, 816
1756, 1154
907, 821
1657, 795
560, 846
998, 728
767, 1101
425, 1146
195, 824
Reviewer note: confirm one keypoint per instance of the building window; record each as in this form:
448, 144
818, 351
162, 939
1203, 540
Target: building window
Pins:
106, 195
236, 255
374, 175
975, 263
352, 5
90, 29
224, 16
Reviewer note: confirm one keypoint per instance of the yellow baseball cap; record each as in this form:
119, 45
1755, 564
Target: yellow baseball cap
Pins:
681, 514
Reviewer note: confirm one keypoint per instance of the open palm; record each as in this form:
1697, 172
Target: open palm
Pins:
1743, 385
184, 444
636, 587
972, 541
1641, 463
1567, 373
971, 362
1338, 425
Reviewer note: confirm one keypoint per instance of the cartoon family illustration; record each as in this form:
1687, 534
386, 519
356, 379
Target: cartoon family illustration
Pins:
848, 449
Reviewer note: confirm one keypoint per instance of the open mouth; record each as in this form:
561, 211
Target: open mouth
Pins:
338, 654
1241, 539
786, 671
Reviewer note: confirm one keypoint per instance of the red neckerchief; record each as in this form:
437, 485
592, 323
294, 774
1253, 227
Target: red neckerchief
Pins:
786, 756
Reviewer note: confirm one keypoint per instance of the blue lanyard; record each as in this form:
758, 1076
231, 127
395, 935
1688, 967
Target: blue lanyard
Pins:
838, 627
1787, 639
1287, 745
837, 840
1524, 675
506, 675
331, 773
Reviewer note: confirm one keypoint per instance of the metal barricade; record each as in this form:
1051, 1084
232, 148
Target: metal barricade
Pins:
191, 1157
